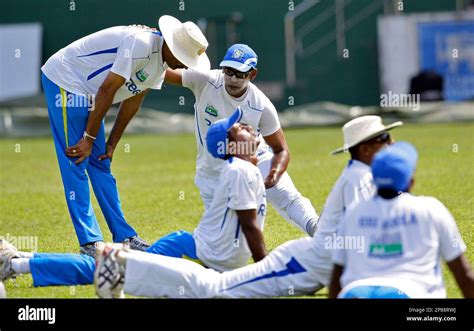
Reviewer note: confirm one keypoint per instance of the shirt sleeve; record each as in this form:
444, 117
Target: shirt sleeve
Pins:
451, 242
242, 191
195, 80
339, 254
350, 195
129, 48
269, 121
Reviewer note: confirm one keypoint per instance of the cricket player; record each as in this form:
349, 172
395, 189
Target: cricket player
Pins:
405, 238
229, 233
218, 93
297, 267
81, 81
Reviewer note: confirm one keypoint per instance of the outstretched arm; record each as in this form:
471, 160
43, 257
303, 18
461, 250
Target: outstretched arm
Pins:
103, 101
335, 285
174, 77
128, 109
464, 275
280, 159
253, 234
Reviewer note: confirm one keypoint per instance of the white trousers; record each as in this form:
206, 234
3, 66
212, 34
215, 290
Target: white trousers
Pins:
291, 269
284, 196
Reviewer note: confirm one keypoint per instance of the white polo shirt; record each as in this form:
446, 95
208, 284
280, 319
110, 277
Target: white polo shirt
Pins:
220, 243
353, 186
214, 103
404, 238
131, 52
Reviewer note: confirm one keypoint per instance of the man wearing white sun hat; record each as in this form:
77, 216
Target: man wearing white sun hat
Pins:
81, 81
404, 238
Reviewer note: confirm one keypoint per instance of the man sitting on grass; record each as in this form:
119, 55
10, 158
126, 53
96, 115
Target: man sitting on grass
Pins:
229, 233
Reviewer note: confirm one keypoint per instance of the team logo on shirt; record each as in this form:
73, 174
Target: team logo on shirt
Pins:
386, 245
211, 110
142, 75
132, 87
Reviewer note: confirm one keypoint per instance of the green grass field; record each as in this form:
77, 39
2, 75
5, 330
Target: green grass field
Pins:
159, 169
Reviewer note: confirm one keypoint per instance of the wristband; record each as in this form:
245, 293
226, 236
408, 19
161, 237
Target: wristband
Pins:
86, 135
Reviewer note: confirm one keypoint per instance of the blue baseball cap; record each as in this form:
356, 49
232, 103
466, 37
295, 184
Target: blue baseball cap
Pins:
217, 134
240, 57
393, 167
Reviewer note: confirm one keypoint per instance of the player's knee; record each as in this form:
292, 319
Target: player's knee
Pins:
101, 166
281, 197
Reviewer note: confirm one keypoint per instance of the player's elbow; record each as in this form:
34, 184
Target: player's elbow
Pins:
288, 155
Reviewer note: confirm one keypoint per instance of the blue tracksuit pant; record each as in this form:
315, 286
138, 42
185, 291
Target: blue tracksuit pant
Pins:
68, 115
49, 269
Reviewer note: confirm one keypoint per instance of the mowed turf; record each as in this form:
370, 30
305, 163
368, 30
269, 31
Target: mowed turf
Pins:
155, 177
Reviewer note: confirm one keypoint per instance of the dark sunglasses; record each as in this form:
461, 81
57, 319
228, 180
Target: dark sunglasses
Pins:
381, 139
231, 72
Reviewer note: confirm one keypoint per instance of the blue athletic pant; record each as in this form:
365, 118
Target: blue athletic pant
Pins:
176, 244
375, 292
49, 269
68, 114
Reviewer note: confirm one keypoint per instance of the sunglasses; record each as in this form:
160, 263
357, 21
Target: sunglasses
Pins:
380, 139
238, 74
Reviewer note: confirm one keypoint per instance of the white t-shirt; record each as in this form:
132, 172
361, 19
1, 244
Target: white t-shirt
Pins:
214, 103
353, 186
404, 238
220, 243
131, 52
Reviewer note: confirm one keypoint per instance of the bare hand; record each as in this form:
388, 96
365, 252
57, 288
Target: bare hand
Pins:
109, 154
81, 150
271, 179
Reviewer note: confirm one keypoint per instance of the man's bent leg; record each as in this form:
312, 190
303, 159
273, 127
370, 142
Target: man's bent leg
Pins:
287, 200
106, 192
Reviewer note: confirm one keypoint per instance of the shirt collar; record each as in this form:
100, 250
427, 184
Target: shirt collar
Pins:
160, 53
356, 163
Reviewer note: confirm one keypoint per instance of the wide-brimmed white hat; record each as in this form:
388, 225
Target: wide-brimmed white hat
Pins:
186, 41
362, 129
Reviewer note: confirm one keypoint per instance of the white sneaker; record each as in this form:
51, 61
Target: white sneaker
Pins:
7, 253
109, 275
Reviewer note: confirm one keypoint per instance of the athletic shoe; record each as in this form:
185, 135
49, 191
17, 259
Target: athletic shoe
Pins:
5, 245
91, 248
109, 275
7, 253
136, 243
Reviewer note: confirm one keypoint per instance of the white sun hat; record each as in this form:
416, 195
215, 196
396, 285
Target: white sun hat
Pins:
186, 41
362, 129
